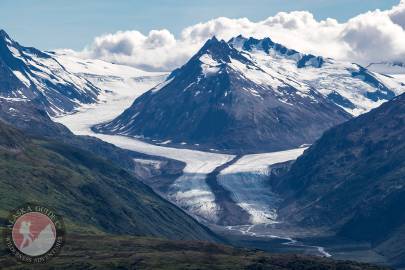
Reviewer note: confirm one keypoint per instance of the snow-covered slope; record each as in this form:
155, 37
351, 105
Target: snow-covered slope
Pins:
352, 87
226, 100
390, 68
27, 73
109, 77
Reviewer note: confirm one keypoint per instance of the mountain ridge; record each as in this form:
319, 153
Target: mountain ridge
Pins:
28, 73
220, 93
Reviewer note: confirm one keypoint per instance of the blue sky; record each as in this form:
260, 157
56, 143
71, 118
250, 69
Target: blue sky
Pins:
49, 24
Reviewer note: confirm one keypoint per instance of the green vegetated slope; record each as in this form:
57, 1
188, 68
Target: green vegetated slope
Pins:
91, 194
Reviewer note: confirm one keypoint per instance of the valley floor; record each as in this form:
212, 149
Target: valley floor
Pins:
126, 252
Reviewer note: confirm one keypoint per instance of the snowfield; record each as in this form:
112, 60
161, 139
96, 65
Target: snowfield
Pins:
260, 162
400, 77
344, 81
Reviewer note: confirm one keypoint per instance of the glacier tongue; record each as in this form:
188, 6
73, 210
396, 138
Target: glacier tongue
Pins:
248, 181
190, 191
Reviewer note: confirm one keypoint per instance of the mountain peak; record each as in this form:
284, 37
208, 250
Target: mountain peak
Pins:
265, 44
3, 33
237, 42
4, 37
217, 49
30, 74
240, 37
214, 38
213, 42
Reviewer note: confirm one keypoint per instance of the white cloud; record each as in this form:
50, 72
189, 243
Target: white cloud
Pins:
159, 50
374, 37
397, 14
369, 37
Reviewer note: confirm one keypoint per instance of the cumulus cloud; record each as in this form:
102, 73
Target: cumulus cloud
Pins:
397, 14
159, 50
374, 37
370, 37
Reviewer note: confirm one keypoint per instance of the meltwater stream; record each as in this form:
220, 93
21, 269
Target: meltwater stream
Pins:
248, 230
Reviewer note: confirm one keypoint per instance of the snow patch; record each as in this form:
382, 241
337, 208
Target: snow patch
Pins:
22, 78
209, 66
261, 162
161, 85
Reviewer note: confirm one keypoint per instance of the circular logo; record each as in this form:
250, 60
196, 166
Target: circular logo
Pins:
34, 233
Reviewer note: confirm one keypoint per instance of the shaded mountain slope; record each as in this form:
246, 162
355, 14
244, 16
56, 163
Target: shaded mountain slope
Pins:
352, 180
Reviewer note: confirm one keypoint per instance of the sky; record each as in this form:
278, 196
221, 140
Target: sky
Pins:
50, 24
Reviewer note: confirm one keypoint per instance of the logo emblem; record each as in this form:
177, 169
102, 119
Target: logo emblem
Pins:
34, 233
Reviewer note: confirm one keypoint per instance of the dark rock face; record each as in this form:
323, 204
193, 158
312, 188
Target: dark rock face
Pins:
31, 118
229, 212
383, 92
220, 99
340, 100
352, 180
267, 45
27, 73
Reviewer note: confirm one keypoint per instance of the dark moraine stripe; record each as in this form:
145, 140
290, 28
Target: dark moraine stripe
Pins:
229, 212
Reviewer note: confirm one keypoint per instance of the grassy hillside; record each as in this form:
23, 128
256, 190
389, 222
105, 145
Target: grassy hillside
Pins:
90, 193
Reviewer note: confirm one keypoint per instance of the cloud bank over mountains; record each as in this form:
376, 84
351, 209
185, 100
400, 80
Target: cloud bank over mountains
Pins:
370, 37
